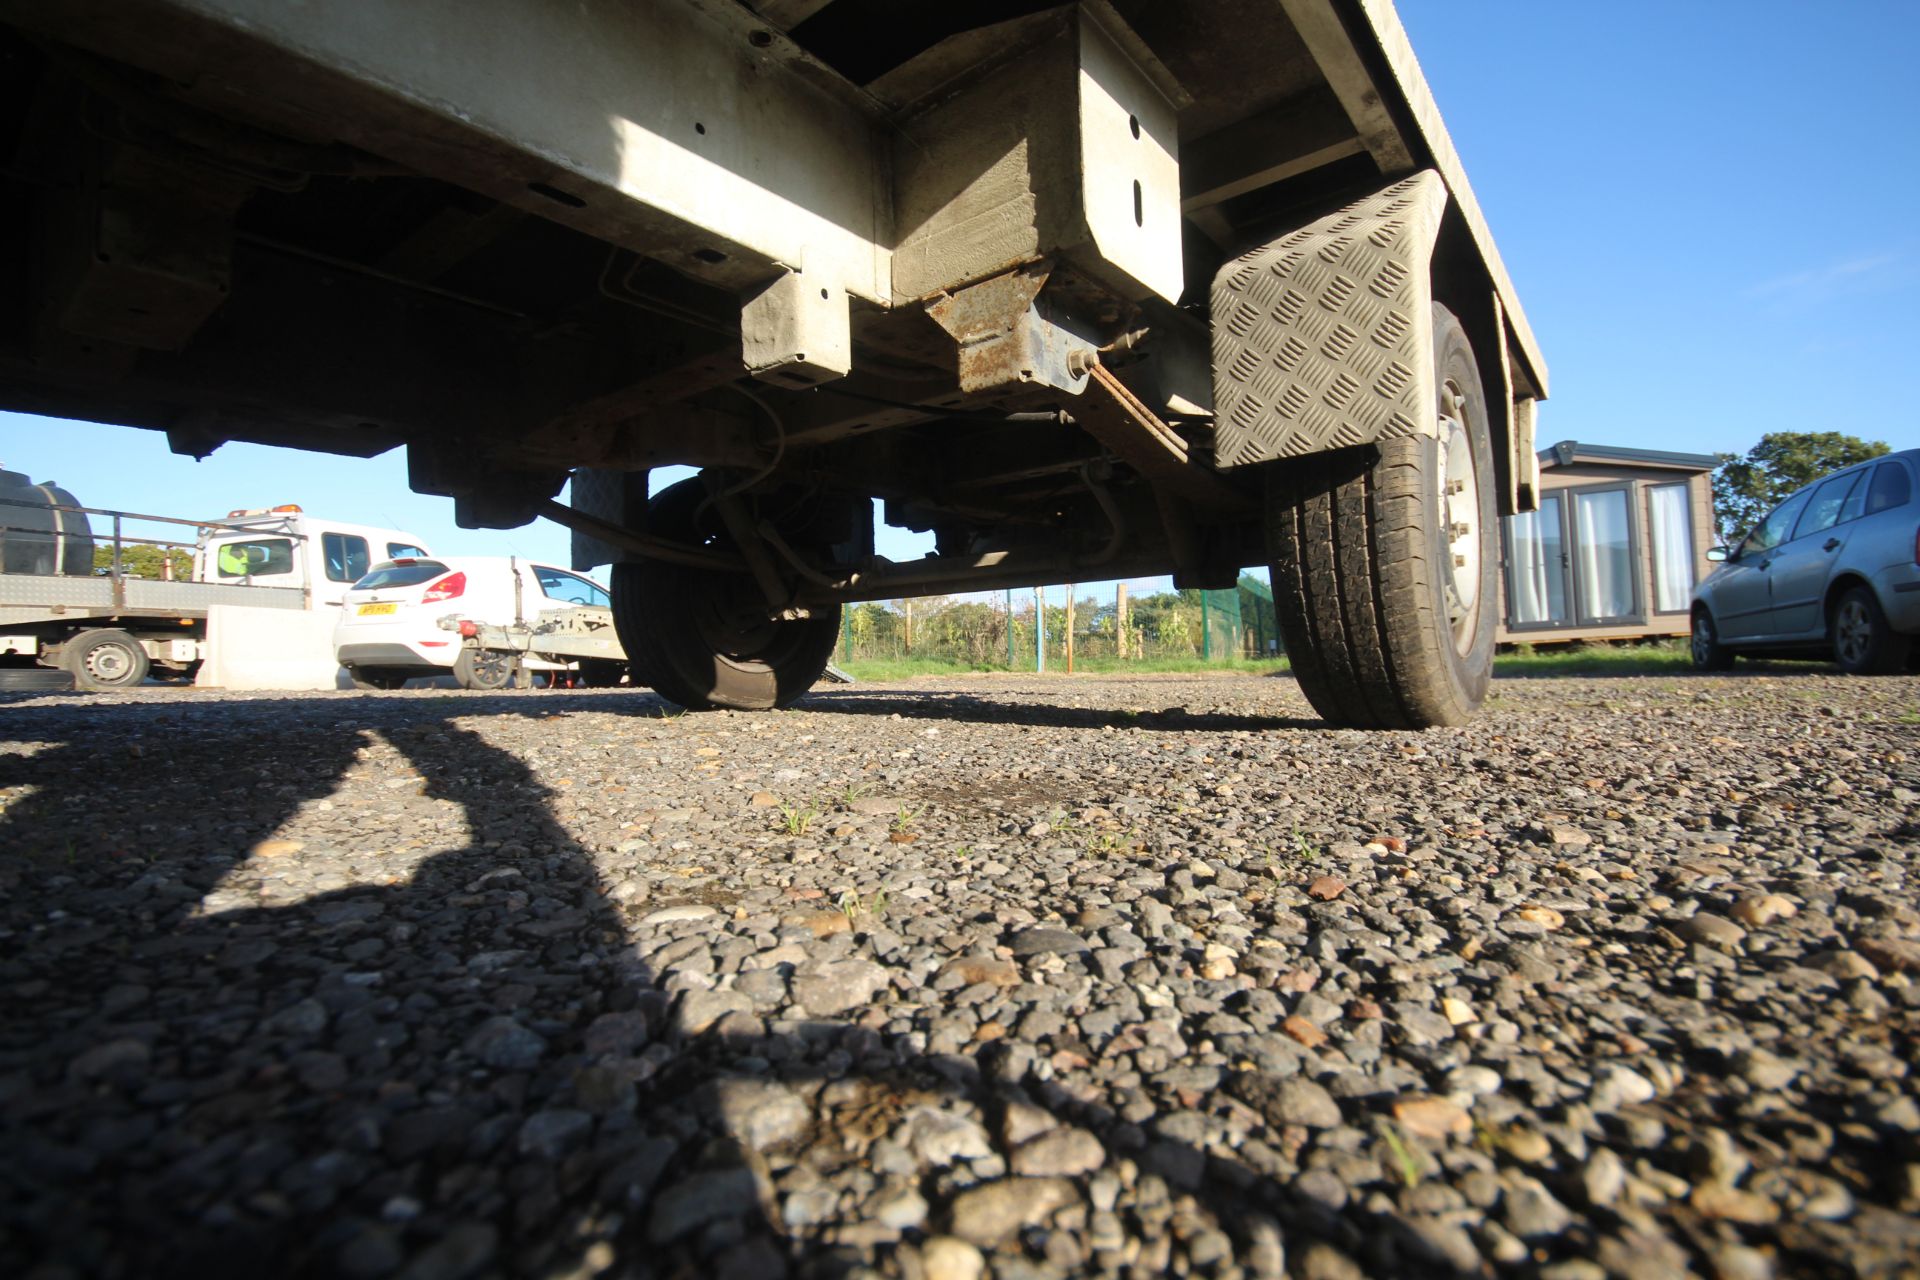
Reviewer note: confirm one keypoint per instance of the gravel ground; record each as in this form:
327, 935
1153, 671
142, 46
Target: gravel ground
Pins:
989, 976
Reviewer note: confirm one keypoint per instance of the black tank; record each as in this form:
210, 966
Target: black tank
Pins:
36, 538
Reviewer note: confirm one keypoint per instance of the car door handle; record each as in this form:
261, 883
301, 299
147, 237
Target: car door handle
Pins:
1763, 564
1831, 544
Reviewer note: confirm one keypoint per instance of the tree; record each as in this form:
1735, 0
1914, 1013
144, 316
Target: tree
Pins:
1745, 489
141, 560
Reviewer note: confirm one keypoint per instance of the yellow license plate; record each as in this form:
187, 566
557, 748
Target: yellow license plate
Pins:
367, 610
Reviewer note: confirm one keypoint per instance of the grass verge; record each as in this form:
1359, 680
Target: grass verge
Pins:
1657, 658
903, 668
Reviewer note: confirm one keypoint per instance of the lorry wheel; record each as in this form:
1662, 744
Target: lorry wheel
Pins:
105, 659
702, 639
378, 677
1864, 643
1384, 562
490, 670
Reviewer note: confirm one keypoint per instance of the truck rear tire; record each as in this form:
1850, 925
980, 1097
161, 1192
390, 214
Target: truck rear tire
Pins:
105, 659
700, 638
1384, 562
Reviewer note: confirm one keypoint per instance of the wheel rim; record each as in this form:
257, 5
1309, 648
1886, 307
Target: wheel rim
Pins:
1459, 505
731, 617
1852, 633
109, 664
1702, 640
493, 669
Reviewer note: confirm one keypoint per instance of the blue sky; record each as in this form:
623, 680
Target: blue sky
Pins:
1707, 208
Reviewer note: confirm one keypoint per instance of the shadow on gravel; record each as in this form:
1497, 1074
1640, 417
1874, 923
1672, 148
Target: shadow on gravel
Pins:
954, 704
470, 1069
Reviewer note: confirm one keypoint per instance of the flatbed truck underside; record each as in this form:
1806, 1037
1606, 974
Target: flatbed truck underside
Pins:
1094, 290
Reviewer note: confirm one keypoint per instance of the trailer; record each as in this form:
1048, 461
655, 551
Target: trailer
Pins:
583, 638
1104, 289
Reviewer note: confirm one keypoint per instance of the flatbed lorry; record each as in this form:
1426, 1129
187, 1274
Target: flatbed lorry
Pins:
1106, 289
111, 628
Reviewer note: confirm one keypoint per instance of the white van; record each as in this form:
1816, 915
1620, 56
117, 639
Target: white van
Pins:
389, 627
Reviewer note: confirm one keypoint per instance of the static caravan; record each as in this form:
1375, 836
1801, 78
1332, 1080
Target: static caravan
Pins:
1613, 552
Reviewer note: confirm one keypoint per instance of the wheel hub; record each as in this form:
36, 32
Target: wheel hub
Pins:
109, 664
1459, 508
1852, 633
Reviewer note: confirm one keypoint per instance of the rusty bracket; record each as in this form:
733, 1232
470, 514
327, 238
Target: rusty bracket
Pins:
1123, 423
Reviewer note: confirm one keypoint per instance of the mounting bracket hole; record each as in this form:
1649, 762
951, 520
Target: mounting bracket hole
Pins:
709, 255
556, 195
698, 127
1133, 123
1139, 205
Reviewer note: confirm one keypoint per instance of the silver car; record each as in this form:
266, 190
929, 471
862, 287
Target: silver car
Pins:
1832, 571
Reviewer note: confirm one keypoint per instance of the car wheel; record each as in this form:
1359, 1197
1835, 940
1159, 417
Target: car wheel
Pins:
490, 670
1864, 644
1708, 653
105, 660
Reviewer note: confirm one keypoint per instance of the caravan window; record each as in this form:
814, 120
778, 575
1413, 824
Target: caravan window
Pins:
261, 558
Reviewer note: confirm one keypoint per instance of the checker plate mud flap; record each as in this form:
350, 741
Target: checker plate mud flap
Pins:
1322, 339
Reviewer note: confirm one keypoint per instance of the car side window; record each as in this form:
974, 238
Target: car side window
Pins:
1774, 529
1823, 509
569, 587
404, 551
346, 555
262, 558
1891, 488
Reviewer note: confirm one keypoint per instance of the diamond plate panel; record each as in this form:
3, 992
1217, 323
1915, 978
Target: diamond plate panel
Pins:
1323, 339
601, 492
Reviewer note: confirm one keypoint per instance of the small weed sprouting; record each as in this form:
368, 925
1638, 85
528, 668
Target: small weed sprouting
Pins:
853, 791
1485, 1136
906, 818
963, 852
796, 820
1405, 1162
1303, 848
853, 908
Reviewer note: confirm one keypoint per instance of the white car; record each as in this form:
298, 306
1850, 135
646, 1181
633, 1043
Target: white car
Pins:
389, 629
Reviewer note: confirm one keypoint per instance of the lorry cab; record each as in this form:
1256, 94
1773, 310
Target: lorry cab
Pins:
284, 547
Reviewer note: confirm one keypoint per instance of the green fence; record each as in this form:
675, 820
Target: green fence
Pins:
1108, 629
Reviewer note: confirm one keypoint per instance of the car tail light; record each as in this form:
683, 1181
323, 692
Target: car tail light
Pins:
447, 588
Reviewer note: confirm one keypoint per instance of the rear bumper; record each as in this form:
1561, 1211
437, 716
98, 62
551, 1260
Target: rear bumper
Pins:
379, 654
